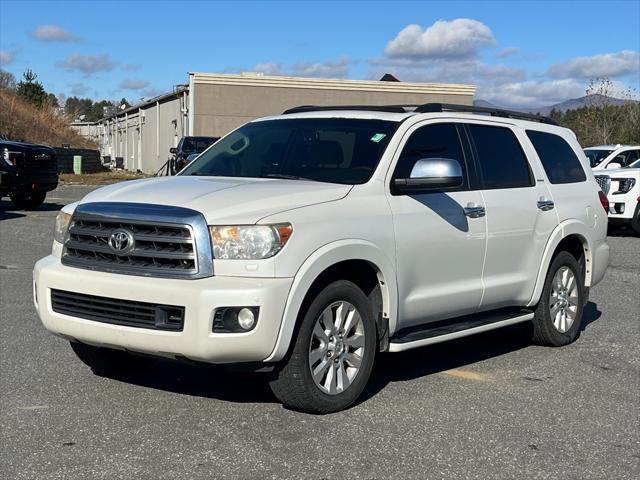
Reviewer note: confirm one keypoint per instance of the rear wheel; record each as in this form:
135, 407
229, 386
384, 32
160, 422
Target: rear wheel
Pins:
558, 316
106, 360
333, 353
28, 200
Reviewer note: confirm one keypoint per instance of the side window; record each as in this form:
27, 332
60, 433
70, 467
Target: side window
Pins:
432, 141
503, 164
631, 156
557, 157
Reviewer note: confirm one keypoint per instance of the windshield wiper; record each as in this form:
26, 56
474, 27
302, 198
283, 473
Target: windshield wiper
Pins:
286, 177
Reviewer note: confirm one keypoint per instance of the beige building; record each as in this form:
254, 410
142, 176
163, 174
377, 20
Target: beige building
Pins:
213, 104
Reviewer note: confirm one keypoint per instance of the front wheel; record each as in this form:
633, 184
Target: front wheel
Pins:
333, 353
28, 200
558, 316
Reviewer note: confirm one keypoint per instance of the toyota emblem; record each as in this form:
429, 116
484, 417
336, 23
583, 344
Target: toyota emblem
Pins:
121, 242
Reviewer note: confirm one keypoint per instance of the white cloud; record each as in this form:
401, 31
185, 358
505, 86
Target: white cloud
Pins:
615, 64
459, 38
53, 33
531, 93
328, 69
88, 64
270, 68
6, 57
507, 52
134, 84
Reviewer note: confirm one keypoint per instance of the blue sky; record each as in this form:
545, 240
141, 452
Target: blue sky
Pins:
518, 53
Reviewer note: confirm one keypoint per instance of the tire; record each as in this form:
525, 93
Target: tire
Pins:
28, 200
635, 221
557, 328
319, 346
106, 360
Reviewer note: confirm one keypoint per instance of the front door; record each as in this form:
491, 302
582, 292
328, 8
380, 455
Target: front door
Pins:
439, 249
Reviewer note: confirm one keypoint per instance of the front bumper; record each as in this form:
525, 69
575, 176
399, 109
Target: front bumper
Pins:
199, 297
33, 181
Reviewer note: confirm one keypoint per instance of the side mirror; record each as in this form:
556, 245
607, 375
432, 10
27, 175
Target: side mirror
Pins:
612, 165
431, 174
173, 150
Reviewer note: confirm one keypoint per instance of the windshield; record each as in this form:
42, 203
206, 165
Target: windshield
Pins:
596, 156
334, 150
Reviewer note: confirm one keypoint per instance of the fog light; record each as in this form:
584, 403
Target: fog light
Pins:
246, 319
235, 319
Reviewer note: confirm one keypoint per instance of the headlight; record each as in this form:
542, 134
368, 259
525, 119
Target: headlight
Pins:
245, 242
625, 185
62, 224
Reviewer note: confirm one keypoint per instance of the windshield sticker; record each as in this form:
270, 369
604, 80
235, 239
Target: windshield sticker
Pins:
378, 136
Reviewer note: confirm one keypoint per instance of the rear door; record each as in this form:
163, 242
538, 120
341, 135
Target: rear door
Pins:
520, 213
565, 175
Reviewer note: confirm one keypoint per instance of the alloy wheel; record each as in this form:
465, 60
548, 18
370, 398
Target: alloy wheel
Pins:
337, 347
563, 299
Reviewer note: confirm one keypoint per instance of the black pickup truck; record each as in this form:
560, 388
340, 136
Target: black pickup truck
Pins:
27, 172
189, 146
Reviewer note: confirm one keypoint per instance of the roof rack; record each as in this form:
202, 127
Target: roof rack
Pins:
426, 108
494, 112
369, 108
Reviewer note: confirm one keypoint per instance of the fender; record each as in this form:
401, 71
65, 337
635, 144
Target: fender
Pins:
319, 261
563, 230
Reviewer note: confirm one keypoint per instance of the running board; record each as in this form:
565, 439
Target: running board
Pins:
445, 330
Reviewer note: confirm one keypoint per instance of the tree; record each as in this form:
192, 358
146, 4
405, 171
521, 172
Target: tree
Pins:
30, 90
7, 80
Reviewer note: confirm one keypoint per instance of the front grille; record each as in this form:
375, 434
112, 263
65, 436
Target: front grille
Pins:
40, 163
118, 312
139, 239
157, 248
604, 182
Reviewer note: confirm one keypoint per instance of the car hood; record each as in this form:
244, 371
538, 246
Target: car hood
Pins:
620, 172
222, 200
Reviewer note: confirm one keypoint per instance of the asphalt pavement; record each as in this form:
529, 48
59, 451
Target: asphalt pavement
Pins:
486, 407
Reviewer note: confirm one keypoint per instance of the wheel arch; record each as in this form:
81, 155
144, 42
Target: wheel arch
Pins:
571, 236
322, 266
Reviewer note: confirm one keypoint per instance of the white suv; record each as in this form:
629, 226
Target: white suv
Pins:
622, 187
306, 243
612, 156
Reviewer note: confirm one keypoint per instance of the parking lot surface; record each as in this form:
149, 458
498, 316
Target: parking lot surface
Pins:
485, 407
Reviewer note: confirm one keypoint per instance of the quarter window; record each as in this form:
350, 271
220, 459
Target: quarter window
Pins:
557, 157
502, 162
432, 141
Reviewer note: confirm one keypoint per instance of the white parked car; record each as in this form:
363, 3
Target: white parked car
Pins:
308, 242
612, 156
622, 187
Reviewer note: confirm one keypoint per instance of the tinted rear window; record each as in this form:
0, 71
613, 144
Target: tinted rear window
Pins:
502, 162
557, 157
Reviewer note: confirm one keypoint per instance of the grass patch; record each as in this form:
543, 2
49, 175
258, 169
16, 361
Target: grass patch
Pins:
101, 178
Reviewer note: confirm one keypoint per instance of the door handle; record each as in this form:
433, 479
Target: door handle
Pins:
545, 204
473, 210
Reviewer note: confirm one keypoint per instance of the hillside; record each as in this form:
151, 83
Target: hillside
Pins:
571, 104
22, 121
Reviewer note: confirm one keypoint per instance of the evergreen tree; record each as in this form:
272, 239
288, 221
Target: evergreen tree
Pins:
30, 90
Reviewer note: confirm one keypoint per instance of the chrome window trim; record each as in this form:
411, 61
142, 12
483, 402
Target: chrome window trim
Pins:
146, 214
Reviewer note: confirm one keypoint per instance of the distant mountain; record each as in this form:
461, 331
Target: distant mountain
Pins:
571, 104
